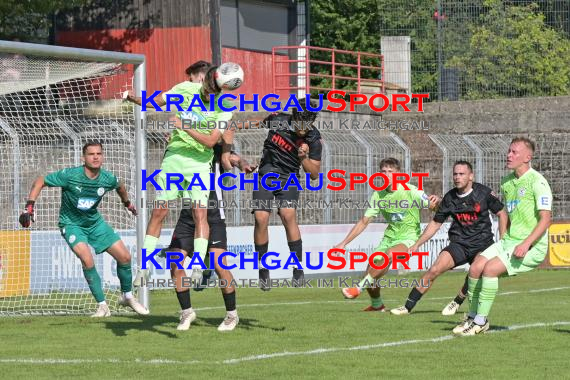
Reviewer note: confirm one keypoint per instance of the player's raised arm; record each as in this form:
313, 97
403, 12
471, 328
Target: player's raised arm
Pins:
160, 101
27, 217
124, 195
311, 166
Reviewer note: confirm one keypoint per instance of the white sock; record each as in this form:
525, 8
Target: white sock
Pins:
103, 303
128, 295
480, 320
233, 313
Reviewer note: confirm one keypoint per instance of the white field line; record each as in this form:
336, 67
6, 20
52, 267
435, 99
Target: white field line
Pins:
250, 358
389, 300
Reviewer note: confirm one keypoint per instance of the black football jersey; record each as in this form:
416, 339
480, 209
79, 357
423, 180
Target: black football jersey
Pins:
280, 149
470, 213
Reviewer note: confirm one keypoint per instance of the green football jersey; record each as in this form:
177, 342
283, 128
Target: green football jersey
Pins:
524, 197
80, 195
401, 209
180, 141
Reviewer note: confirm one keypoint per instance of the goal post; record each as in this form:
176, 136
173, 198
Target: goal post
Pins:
52, 101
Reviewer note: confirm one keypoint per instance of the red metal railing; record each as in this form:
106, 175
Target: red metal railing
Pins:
280, 59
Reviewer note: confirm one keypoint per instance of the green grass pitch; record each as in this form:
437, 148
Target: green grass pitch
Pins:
310, 333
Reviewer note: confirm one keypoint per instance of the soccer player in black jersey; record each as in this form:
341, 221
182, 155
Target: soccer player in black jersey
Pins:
470, 233
286, 149
183, 241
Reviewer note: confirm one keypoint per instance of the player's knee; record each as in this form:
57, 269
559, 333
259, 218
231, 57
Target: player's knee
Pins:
158, 214
433, 272
476, 269
124, 258
261, 219
289, 218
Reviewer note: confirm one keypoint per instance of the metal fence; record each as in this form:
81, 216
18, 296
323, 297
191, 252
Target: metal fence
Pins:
465, 49
488, 153
361, 151
353, 151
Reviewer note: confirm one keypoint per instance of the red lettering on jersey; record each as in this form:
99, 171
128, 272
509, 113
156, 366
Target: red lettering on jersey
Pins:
281, 142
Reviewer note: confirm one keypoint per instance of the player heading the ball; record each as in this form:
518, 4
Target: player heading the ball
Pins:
190, 151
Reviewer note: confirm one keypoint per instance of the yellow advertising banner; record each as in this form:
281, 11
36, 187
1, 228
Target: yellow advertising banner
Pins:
14, 263
559, 245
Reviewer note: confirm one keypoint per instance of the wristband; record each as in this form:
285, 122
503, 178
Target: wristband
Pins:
127, 203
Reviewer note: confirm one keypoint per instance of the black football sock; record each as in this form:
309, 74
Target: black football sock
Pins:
230, 301
297, 248
413, 298
460, 298
184, 299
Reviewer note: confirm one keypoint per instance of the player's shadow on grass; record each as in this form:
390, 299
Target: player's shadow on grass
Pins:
144, 323
244, 323
562, 331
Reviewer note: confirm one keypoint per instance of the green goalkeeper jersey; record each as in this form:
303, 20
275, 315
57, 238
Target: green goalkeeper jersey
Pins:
180, 141
80, 195
401, 209
524, 197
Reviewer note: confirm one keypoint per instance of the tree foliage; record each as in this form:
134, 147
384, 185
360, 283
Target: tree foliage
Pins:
501, 48
30, 20
513, 53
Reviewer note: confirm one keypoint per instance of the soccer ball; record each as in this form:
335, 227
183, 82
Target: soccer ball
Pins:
229, 76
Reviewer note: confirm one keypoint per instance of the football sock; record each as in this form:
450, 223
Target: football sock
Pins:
480, 320
230, 301
366, 282
413, 298
150, 243
473, 293
297, 248
184, 299
201, 246
376, 302
261, 249
461, 297
487, 296
94, 282
125, 275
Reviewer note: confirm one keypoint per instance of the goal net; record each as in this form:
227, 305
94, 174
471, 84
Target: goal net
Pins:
49, 108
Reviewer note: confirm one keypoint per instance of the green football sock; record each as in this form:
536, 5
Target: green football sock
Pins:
376, 302
125, 275
94, 282
366, 282
150, 243
488, 292
473, 292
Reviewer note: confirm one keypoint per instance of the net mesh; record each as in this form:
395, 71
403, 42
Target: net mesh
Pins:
49, 108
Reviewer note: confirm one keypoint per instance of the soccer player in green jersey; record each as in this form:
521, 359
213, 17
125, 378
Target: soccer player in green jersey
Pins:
81, 225
402, 232
528, 201
189, 152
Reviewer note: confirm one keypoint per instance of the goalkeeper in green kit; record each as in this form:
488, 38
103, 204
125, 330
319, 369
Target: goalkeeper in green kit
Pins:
81, 225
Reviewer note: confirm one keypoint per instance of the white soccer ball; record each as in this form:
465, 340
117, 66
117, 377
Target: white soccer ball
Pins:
229, 76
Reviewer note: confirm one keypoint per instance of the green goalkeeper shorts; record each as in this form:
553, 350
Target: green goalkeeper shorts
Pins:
503, 249
100, 235
186, 166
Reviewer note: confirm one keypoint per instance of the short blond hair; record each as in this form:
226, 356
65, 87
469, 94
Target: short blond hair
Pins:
526, 141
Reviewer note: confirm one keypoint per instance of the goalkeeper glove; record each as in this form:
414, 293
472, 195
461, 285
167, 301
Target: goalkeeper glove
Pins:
27, 217
131, 207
